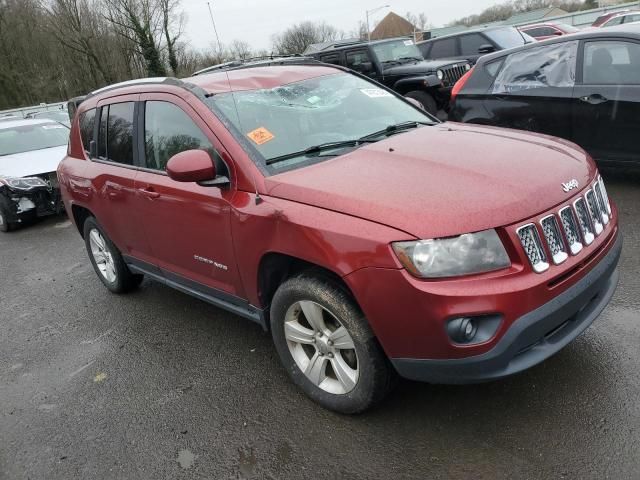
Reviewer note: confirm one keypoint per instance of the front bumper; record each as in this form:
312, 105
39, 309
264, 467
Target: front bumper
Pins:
533, 337
38, 202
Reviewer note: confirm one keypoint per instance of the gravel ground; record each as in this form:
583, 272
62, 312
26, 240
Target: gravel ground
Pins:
158, 385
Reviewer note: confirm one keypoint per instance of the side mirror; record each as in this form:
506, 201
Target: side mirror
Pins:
414, 102
486, 48
191, 166
558, 34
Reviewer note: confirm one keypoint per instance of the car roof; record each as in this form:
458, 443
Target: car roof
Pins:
470, 30
219, 81
26, 121
631, 30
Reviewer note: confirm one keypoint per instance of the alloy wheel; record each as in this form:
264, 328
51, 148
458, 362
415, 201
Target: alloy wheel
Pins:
321, 347
102, 255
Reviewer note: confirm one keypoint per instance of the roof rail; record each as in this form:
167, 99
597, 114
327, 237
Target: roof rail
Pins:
140, 81
268, 61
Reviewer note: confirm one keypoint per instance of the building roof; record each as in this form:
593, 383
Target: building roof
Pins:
535, 15
393, 25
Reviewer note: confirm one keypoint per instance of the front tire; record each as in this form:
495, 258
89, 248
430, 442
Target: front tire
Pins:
5, 226
428, 102
107, 260
327, 347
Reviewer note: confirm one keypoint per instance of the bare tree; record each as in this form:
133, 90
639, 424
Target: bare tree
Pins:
297, 38
240, 49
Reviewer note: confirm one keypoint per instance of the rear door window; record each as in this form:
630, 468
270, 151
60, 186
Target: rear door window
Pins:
120, 133
540, 67
333, 58
444, 48
611, 63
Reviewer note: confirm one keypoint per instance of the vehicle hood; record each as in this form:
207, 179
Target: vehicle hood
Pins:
442, 180
425, 67
32, 163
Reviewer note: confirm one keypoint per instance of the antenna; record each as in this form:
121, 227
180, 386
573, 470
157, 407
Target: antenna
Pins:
258, 199
215, 30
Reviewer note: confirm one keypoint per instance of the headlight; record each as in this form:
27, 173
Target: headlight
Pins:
440, 74
24, 183
450, 257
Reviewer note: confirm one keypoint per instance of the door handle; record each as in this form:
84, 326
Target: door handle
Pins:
595, 99
149, 192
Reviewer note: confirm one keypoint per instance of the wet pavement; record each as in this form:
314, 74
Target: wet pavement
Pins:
157, 385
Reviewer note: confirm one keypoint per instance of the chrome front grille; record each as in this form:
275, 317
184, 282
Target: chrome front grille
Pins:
570, 227
533, 247
594, 210
555, 242
585, 221
568, 231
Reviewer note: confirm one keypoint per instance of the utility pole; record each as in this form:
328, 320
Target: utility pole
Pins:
367, 12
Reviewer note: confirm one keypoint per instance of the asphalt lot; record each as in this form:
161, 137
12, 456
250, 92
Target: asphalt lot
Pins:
158, 385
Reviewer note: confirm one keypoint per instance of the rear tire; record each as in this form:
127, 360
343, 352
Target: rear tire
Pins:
107, 260
326, 346
428, 102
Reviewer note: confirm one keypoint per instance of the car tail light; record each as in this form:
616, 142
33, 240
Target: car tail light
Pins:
460, 84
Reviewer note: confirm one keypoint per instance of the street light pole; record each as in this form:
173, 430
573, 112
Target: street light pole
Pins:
367, 12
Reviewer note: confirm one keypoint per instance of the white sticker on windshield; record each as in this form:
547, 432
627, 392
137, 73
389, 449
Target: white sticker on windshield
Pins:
408, 42
49, 127
314, 99
375, 92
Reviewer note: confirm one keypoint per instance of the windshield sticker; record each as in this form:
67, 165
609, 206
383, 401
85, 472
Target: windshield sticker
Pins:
260, 135
50, 127
408, 42
375, 92
314, 99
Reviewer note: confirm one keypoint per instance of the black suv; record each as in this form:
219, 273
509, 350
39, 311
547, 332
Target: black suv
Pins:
470, 45
398, 64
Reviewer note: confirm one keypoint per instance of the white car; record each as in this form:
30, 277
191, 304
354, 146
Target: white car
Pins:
30, 151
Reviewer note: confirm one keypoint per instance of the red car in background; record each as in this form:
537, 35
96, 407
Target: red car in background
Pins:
618, 18
544, 31
368, 237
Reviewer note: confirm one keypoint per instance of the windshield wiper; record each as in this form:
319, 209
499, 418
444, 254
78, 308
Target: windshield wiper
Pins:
398, 127
317, 149
417, 59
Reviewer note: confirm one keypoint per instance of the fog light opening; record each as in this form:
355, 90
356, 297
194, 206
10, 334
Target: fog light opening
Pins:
462, 330
473, 330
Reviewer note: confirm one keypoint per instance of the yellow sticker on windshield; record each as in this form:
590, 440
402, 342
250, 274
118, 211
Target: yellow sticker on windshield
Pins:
260, 135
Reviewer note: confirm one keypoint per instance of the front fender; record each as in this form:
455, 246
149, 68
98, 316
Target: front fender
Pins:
417, 83
337, 242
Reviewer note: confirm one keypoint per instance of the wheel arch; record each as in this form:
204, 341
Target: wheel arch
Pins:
80, 215
276, 267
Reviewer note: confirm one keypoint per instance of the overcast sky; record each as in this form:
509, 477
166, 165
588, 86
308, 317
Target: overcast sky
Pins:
256, 20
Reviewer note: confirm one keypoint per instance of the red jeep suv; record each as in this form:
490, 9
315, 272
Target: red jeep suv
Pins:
369, 238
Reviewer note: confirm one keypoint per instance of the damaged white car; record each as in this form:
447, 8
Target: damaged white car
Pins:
30, 151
